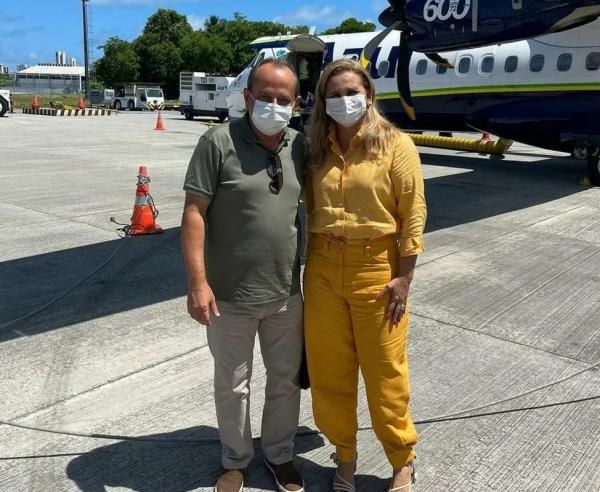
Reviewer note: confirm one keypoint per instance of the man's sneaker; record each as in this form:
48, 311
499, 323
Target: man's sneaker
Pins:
286, 476
230, 481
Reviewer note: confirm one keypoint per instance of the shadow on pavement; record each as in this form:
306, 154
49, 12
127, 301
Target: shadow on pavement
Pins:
179, 467
149, 269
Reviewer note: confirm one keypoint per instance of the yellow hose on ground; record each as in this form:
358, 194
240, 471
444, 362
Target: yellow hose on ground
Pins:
497, 147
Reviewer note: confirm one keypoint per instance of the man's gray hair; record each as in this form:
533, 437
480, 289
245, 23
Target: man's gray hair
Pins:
277, 63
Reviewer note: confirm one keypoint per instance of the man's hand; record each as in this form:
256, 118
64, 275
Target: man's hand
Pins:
201, 304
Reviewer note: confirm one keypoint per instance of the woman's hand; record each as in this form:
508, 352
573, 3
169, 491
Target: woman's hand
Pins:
397, 288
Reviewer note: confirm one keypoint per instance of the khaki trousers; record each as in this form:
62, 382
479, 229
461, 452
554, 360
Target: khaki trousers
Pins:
345, 330
231, 341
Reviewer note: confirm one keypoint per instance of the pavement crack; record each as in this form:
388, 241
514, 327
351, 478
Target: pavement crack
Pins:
107, 383
496, 337
56, 216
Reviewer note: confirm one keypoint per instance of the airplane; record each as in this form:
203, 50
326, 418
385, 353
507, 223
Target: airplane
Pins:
542, 91
428, 26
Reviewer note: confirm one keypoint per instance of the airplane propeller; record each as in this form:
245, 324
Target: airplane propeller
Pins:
394, 18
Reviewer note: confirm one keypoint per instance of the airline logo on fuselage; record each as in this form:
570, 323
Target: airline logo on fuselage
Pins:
376, 63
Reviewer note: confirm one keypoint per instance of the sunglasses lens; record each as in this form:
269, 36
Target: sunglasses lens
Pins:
275, 172
274, 187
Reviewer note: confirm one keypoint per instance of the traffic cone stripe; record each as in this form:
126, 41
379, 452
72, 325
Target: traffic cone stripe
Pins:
142, 200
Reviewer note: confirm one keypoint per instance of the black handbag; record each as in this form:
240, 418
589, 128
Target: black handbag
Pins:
303, 378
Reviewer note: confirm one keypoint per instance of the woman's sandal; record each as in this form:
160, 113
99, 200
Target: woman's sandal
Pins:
413, 479
339, 483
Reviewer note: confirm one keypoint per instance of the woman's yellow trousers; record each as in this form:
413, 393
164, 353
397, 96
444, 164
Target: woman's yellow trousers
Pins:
345, 329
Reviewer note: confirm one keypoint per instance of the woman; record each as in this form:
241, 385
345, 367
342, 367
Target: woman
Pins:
366, 213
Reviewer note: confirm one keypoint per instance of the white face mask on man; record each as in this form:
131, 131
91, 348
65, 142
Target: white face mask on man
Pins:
270, 118
347, 110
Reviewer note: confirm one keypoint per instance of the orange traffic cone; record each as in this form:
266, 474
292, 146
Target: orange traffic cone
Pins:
81, 103
35, 102
143, 220
159, 122
485, 137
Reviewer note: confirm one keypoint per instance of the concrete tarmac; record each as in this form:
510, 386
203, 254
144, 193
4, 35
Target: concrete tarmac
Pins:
505, 300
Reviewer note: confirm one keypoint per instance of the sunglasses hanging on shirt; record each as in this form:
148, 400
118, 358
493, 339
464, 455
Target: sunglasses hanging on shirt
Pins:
275, 172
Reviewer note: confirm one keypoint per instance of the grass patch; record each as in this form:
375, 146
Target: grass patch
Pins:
58, 100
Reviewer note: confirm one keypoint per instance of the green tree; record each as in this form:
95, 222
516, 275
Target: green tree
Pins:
239, 32
168, 44
201, 52
120, 62
351, 25
4, 80
168, 26
160, 62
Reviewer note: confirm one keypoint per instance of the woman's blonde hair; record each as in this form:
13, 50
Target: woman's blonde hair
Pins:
376, 130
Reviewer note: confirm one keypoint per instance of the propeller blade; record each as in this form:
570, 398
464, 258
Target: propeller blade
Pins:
439, 60
369, 49
393, 13
402, 77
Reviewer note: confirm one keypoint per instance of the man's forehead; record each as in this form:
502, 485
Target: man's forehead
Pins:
272, 88
270, 75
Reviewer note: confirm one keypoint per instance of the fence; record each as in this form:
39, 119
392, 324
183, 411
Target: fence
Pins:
44, 84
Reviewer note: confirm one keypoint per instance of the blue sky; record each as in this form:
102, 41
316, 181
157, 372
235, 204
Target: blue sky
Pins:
32, 30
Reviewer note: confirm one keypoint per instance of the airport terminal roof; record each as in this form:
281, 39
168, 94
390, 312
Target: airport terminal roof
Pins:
53, 70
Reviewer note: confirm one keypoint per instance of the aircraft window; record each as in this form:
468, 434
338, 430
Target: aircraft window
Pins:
537, 63
564, 62
441, 69
465, 65
383, 68
487, 65
593, 61
422, 67
511, 65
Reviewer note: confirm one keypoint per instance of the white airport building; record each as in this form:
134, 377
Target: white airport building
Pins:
49, 79
61, 77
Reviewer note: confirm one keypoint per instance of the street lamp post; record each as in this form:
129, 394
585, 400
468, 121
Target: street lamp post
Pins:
86, 53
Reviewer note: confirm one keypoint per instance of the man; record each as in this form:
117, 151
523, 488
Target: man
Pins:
240, 238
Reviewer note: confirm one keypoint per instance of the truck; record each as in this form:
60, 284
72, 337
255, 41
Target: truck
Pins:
102, 97
202, 94
138, 96
5, 103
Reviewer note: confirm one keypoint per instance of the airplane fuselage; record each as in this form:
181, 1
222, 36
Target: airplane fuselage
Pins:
543, 91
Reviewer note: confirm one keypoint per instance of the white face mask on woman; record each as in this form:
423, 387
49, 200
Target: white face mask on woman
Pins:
270, 118
347, 110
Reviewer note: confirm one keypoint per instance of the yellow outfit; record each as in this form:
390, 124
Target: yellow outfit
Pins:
363, 214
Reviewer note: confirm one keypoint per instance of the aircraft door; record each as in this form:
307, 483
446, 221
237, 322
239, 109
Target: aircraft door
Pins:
306, 55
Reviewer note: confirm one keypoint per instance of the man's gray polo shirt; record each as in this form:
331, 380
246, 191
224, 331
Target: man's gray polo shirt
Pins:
252, 239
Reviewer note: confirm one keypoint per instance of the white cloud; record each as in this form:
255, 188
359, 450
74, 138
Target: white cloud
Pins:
33, 55
307, 13
145, 3
196, 21
325, 16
